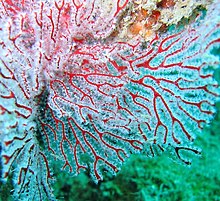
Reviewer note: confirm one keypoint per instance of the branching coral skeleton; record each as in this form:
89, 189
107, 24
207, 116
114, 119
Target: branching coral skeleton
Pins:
74, 89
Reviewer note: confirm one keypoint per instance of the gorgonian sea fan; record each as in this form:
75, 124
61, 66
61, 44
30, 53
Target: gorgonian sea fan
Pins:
70, 92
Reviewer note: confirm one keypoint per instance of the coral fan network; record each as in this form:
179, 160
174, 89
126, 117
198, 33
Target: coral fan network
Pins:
81, 85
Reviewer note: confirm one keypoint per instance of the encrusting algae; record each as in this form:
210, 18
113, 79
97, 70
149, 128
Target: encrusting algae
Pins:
144, 18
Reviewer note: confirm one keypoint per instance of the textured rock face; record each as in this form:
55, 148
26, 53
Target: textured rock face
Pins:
72, 92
